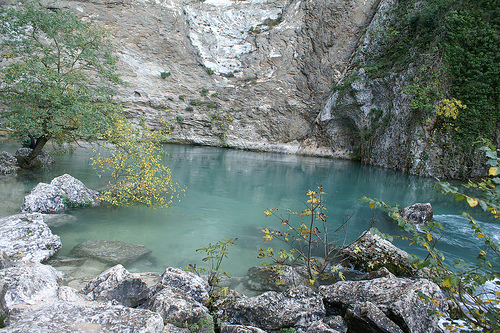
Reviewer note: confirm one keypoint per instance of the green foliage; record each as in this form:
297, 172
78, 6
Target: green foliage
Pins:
204, 92
230, 74
134, 163
214, 95
472, 56
164, 75
49, 59
195, 102
189, 108
210, 71
303, 238
215, 254
179, 118
464, 283
181, 97
220, 119
67, 202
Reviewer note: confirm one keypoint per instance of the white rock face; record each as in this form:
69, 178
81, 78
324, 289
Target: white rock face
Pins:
220, 29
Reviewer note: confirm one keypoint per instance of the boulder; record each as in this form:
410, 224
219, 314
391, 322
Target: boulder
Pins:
297, 307
111, 252
240, 329
367, 317
371, 252
80, 317
275, 278
43, 198
63, 192
27, 237
8, 163
4, 310
419, 213
28, 282
396, 298
179, 309
74, 192
43, 159
117, 284
321, 327
193, 285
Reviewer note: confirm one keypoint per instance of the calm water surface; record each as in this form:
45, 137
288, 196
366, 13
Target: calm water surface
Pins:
226, 194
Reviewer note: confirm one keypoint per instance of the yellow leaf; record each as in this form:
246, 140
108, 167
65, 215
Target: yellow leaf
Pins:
371, 205
472, 201
493, 171
446, 282
429, 237
480, 235
482, 253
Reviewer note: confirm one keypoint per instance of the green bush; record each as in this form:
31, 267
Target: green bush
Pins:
164, 75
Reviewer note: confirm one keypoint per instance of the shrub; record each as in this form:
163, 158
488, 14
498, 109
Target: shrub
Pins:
304, 237
164, 75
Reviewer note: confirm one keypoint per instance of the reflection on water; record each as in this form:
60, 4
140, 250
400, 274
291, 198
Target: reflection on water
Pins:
227, 192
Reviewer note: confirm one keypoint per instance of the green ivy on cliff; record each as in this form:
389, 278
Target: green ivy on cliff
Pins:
454, 47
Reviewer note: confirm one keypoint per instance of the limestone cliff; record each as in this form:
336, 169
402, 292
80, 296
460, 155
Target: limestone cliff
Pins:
260, 75
249, 74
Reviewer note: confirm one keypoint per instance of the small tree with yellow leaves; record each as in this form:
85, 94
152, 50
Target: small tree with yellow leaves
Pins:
465, 284
304, 238
133, 160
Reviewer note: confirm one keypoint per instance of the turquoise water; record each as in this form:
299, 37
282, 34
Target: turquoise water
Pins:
226, 194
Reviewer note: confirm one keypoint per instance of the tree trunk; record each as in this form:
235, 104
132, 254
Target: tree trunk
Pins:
29, 160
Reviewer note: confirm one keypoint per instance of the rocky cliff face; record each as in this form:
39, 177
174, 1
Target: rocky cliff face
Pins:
249, 74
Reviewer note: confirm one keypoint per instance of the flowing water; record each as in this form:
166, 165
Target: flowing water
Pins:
226, 194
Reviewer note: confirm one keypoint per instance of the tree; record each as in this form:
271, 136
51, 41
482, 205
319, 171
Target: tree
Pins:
57, 76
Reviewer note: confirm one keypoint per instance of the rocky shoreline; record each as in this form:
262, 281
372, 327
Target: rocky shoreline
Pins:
36, 296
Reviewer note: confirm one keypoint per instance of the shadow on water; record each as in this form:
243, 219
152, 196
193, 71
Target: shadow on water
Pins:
226, 194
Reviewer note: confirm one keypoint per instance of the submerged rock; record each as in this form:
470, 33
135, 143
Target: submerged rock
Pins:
63, 192
418, 213
27, 237
111, 252
117, 284
363, 302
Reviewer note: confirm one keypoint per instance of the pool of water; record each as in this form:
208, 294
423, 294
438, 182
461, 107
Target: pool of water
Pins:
226, 194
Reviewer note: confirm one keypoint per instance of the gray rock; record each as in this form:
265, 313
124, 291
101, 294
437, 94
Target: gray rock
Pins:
419, 213
367, 317
178, 308
193, 285
4, 310
266, 278
75, 192
298, 307
397, 298
117, 284
27, 237
371, 253
29, 282
240, 329
111, 252
320, 327
8, 163
44, 198
63, 316
43, 159
63, 192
